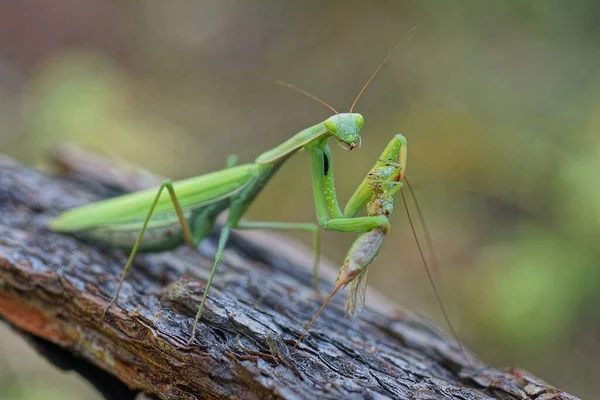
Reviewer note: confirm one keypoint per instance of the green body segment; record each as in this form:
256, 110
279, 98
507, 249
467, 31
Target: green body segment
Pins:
382, 182
395, 152
131, 208
163, 232
202, 199
345, 127
292, 144
363, 252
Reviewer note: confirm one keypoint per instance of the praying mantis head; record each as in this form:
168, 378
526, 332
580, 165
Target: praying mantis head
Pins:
345, 128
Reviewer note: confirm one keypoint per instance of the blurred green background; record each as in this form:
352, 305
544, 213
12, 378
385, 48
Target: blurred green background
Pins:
499, 100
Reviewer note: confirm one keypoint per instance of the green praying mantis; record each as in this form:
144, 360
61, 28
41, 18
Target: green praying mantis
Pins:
185, 211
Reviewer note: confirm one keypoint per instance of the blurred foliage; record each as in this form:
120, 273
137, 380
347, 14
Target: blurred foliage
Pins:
26, 376
499, 102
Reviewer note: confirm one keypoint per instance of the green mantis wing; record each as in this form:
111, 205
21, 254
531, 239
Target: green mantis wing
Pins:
192, 193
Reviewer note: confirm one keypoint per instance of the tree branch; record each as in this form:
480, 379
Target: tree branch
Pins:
53, 289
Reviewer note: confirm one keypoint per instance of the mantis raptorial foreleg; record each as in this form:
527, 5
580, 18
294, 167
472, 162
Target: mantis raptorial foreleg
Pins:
377, 192
378, 188
329, 214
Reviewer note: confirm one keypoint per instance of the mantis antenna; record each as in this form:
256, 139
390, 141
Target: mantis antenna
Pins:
431, 281
307, 94
428, 240
312, 96
396, 47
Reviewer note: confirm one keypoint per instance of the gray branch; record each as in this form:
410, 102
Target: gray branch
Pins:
53, 289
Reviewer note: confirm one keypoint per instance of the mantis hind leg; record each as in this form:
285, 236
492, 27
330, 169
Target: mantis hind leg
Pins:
226, 230
187, 234
231, 161
294, 226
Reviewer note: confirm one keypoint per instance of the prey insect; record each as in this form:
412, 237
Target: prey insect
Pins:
185, 211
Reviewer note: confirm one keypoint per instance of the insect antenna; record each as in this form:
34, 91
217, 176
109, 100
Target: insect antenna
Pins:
428, 240
402, 41
307, 94
431, 281
338, 286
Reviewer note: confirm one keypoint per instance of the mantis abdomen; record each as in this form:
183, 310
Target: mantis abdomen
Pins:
163, 233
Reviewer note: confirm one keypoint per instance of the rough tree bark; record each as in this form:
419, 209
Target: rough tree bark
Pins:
53, 289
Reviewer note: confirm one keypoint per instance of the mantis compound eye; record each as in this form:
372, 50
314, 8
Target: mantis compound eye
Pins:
331, 124
358, 119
